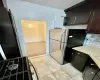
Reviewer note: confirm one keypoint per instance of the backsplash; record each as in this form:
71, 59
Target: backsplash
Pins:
92, 40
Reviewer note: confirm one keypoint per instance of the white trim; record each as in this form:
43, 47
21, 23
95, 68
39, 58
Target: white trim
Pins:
2, 53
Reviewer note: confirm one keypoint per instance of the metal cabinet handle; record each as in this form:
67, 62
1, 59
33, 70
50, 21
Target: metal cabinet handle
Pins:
92, 73
74, 20
79, 53
92, 64
72, 53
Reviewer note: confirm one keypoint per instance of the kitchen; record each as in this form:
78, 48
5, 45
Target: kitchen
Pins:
83, 59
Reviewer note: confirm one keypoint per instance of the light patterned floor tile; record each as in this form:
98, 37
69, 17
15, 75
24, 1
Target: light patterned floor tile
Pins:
77, 77
61, 75
68, 68
48, 77
48, 69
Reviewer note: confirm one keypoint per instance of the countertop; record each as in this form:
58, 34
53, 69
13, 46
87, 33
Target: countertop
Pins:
93, 52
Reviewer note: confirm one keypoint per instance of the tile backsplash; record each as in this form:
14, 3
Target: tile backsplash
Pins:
92, 40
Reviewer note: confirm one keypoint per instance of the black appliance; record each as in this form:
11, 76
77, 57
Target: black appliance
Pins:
8, 39
76, 38
15, 69
79, 60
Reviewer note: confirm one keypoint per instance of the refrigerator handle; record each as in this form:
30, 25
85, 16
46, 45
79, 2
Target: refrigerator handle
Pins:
60, 42
61, 39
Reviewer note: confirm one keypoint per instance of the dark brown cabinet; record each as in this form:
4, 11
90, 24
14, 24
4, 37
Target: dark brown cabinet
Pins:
86, 12
90, 72
1, 3
76, 18
94, 23
96, 78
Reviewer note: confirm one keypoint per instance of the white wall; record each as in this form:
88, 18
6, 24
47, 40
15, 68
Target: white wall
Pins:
34, 31
22, 10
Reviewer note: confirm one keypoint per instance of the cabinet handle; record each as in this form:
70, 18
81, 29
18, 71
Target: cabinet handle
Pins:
74, 20
92, 73
72, 53
79, 53
92, 64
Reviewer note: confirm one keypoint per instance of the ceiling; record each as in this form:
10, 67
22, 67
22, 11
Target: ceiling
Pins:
60, 4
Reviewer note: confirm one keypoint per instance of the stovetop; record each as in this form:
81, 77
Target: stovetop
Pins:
15, 69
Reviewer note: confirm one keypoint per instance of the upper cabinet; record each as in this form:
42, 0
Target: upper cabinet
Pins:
76, 18
1, 3
94, 23
86, 12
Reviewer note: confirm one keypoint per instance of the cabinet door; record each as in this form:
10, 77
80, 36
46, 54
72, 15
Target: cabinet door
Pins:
71, 20
90, 72
94, 23
96, 78
81, 18
77, 18
1, 3
98, 73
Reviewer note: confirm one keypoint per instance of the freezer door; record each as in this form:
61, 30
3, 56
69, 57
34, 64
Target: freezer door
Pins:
56, 34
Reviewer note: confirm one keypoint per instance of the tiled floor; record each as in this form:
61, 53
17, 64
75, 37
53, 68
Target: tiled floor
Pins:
48, 69
36, 48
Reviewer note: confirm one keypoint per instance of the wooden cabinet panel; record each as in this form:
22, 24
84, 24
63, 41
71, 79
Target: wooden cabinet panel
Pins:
94, 23
96, 78
76, 18
1, 3
82, 18
90, 72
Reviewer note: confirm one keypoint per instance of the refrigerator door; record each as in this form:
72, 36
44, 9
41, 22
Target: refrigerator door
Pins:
57, 48
57, 55
56, 34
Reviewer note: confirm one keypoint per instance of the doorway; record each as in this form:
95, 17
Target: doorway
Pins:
35, 37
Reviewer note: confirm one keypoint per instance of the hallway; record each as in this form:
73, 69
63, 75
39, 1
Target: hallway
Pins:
35, 37
35, 48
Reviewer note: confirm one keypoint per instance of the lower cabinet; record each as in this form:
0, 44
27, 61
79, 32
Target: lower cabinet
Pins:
90, 72
79, 60
96, 78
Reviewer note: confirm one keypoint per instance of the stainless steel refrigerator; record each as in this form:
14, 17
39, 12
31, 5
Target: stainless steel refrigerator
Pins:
62, 38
